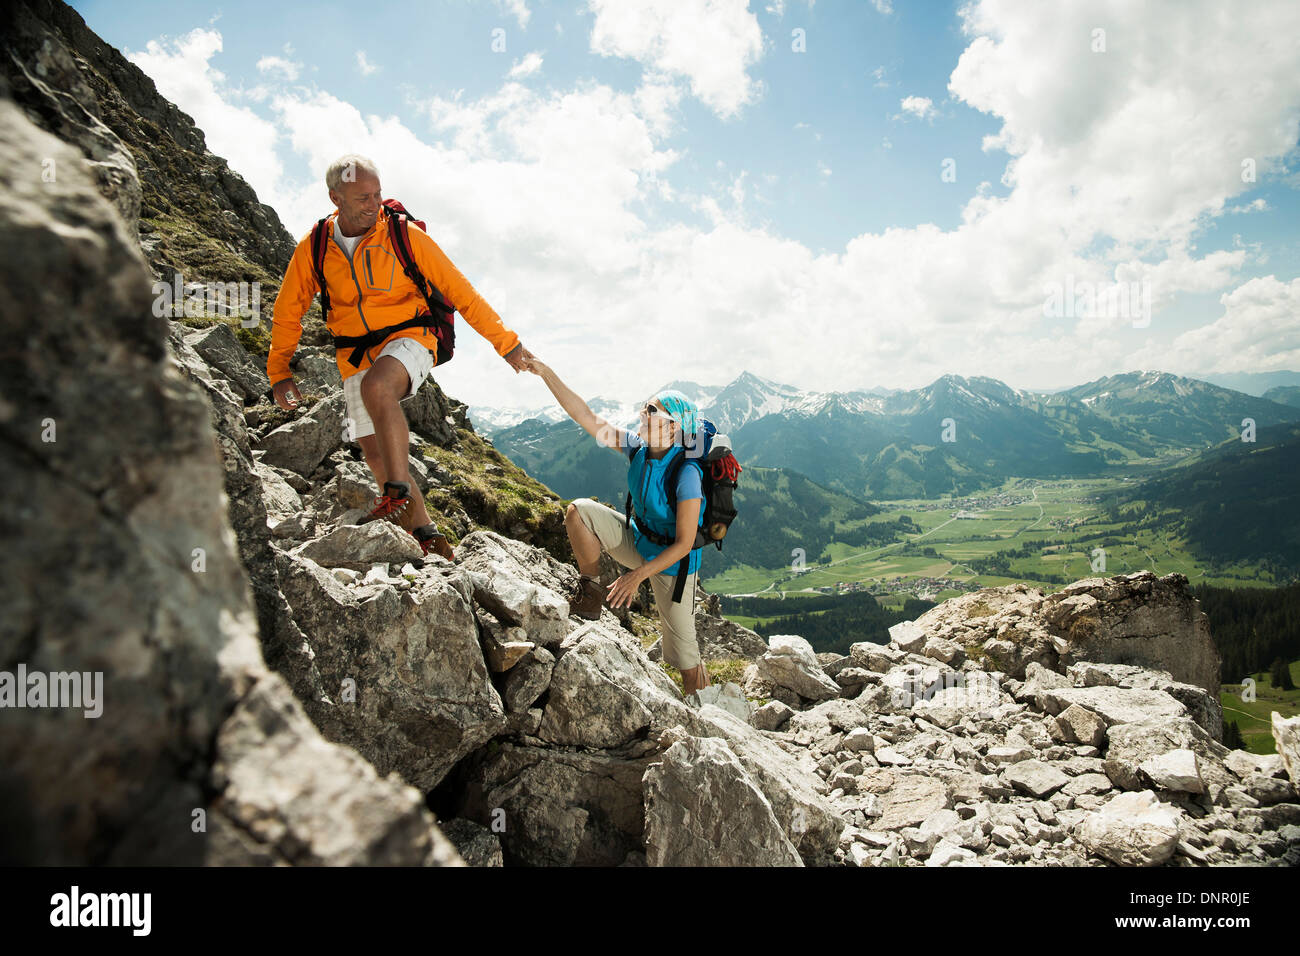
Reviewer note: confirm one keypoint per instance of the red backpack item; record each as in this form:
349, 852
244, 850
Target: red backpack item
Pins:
440, 312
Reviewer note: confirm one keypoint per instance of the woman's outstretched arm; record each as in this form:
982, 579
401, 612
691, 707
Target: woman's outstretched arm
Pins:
599, 429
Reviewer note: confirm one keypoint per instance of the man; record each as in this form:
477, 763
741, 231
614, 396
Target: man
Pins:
369, 292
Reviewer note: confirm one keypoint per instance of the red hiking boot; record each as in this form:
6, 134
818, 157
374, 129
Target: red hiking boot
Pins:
390, 505
431, 539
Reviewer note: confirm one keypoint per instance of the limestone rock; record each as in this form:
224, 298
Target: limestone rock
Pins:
193, 720
302, 444
477, 845
1131, 745
771, 715
1175, 770
528, 679
1115, 705
558, 808
1132, 829
1286, 735
910, 801
729, 696
1036, 778
702, 809
791, 663
223, 353
421, 694
360, 547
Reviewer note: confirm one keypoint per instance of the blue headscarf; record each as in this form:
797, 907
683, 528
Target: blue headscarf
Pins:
680, 409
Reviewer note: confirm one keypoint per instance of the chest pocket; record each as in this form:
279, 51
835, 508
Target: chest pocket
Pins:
377, 266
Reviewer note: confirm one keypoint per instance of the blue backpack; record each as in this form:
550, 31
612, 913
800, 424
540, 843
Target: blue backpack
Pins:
711, 452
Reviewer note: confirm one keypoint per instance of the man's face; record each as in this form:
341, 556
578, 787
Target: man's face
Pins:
358, 201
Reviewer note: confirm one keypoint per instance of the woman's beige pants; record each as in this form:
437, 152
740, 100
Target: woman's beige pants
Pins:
677, 621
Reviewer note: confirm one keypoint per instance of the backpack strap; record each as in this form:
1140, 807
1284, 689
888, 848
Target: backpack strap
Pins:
319, 243
680, 586
670, 488
406, 257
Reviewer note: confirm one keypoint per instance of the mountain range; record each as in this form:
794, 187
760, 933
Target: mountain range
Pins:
953, 436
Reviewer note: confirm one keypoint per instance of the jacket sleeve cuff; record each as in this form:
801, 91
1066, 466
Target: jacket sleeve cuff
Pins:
518, 346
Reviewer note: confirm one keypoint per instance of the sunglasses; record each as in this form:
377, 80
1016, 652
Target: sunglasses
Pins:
651, 410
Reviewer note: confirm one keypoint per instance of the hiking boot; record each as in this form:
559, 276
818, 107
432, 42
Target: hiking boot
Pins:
390, 505
431, 539
587, 598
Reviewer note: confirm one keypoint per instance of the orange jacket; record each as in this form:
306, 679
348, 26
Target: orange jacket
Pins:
372, 292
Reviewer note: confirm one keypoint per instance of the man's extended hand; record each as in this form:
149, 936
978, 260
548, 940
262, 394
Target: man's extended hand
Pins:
519, 358
286, 395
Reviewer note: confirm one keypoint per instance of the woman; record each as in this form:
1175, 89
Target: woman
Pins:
666, 430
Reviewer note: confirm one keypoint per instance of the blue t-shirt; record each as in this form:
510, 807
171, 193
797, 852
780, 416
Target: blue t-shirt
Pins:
690, 485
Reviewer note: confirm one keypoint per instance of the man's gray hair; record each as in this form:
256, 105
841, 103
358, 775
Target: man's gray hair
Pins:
347, 168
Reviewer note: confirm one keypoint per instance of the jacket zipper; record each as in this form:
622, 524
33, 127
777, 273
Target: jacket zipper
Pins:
355, 282
645, 486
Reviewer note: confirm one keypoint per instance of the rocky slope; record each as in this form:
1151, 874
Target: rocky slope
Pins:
119, 560
208, 532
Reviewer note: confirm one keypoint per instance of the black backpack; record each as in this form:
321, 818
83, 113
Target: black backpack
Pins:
434, 319
720, 471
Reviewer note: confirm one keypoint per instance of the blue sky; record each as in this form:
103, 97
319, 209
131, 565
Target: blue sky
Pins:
782, 211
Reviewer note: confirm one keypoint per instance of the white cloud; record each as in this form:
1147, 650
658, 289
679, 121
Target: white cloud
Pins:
1259, 331
922, 107
529, 65
883, 7
711, 43
518, 9
279, 65
557, 207
364, 65
1255, 205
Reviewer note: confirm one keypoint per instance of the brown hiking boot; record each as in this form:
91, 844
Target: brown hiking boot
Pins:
431, 539
588, 598
390, 505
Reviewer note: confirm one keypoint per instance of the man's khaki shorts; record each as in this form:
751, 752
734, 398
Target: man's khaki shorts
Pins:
418, 361
676, 621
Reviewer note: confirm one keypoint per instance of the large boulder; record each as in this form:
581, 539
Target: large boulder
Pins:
604, 691
292, 797
302, 444
1139, 619
1132, 746
521, 585
1132, 829
1286, 735
720, 638
702, 809
790, 662
128, 572
403, 674
223, 353
360, 547
796, 794
907, 799
555, 807
1114, 705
